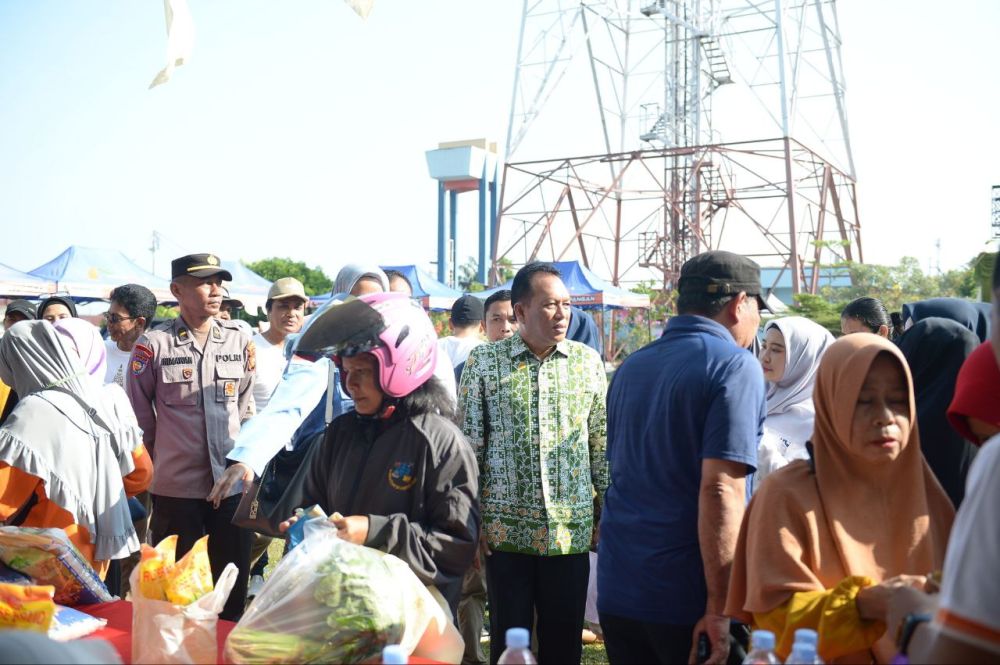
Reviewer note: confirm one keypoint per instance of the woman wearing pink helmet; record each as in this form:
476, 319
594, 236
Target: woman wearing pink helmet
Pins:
397, 466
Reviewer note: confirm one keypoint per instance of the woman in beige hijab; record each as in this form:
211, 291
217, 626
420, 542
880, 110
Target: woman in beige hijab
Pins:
825, 540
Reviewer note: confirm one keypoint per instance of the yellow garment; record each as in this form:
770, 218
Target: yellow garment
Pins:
832, 613
4, 394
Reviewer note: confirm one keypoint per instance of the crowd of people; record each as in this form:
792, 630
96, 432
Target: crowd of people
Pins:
729, 477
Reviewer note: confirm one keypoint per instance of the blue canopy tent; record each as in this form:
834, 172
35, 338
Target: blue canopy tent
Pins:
590, 292
17, 284
89, 273
247, 286
586, 289
432, 294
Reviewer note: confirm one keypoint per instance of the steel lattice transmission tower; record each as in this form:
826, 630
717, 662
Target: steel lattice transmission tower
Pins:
687, 125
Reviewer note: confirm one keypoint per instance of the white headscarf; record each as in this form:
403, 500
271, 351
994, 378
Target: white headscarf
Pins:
352, 272
805, 342
66, 432
790, 411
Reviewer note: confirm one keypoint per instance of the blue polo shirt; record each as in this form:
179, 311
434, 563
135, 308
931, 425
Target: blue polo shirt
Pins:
691, 395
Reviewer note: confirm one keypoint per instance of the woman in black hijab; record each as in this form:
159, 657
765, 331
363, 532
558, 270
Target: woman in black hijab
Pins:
968, 313
935, 349
54, 308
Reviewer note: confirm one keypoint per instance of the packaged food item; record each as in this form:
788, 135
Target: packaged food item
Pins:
191, 577
26, 607
176, 608
70, 624
297, 531
10, 576
49, 558
181, 582
154, 566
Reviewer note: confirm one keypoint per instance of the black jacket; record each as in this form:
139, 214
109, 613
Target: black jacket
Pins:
415, 477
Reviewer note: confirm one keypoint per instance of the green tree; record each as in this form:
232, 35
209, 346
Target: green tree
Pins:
166, 312
466, 276
313, 279
894, 286
506, 269
468, 273
982, 274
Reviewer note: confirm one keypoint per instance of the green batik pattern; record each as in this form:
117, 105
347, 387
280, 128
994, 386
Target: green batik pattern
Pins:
539, 430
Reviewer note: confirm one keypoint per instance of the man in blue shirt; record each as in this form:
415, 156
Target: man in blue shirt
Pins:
684, 417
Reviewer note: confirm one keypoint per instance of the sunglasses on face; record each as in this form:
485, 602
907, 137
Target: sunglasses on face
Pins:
116, 318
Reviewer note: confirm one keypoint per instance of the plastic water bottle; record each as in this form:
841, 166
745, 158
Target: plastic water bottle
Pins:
517, 651
807, 635
804, 653
394, 654
762, 649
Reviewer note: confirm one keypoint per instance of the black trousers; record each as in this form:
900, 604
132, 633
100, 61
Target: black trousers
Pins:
189, 520
630, 641
519, 585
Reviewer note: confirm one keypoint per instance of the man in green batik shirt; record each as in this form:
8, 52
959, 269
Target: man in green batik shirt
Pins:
533, 407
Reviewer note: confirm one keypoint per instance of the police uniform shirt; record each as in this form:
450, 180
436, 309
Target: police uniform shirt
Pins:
190, 402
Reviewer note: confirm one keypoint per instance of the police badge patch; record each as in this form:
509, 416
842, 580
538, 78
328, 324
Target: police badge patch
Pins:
401, 476
141, 355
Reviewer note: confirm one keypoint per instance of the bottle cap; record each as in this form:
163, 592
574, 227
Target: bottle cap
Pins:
517, 638
803, 652
394, 654
762, 639
806, 635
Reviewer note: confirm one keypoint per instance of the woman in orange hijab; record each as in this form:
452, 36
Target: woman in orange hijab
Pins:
825, 540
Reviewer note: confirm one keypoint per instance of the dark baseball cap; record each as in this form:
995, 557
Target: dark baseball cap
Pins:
719, 273
231, 302
22, 306
467, 309
199, 265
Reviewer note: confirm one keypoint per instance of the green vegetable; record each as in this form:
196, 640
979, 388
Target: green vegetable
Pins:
326, 603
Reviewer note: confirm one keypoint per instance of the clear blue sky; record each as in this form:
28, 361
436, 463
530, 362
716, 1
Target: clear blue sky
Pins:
299, 130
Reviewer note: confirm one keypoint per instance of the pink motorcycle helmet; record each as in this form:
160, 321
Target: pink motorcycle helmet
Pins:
406, 351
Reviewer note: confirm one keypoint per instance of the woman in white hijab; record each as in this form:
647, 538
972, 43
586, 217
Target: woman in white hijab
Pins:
357, 279
69, 453
790, 358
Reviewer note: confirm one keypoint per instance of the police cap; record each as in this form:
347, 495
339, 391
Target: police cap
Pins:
199, 265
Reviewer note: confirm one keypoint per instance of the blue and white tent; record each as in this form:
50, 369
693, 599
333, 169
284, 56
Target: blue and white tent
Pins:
432, 294
89, 273
17, 284
586, 289
247, 286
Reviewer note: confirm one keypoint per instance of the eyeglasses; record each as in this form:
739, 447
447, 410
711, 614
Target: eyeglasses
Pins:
116, 319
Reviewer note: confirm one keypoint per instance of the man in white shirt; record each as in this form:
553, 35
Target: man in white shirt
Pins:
129, 314
285, 305
466, 326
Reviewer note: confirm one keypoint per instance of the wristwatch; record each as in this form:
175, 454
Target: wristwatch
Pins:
907, 628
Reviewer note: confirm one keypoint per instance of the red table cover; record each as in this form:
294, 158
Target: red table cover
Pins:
119, 629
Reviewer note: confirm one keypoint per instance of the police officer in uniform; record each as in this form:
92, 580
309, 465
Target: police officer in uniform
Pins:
190, 381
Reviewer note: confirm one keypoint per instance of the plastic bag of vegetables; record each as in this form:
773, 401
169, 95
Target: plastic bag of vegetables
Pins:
330, 601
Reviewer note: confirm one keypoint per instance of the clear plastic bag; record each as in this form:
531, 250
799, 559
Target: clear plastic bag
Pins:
163, 632
330, 601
